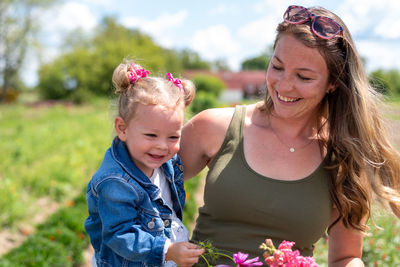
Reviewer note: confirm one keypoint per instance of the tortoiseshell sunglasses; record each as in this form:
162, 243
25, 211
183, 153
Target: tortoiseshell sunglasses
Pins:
323, 27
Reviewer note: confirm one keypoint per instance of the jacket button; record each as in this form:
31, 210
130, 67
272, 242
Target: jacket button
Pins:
166, 223
151, 225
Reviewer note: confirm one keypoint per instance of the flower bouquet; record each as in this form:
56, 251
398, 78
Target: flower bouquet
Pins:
283, 256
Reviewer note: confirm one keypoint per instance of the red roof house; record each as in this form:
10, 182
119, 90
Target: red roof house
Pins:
248, 83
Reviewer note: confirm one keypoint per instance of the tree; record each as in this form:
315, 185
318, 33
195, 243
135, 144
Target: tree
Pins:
386, 81
18, 29
260, 62
86, 66
256, 63
192, 61
220, 65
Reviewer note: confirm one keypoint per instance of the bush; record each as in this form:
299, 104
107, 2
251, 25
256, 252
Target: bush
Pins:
51, 81
202, 101
386, 82
209, 84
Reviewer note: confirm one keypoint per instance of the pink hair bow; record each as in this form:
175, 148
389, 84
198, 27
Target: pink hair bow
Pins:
176, 81
136, 74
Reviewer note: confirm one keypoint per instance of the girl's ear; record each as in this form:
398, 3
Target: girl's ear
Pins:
120, 128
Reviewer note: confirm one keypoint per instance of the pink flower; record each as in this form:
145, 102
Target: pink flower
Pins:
286, 245
240, 260
305, 262
284, 256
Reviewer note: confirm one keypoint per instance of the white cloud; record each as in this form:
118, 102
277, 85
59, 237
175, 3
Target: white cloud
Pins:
372, 17
98, 2
277, 8
230, 9
161, 28
388, 26
271, 7
69, 16
55, 24
58, 21
261, 31
216, 42
380, 54
219, 10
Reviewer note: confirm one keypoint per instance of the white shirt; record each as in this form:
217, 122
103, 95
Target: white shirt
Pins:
179, 232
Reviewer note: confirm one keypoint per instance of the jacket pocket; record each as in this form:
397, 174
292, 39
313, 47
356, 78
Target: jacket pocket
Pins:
151, 222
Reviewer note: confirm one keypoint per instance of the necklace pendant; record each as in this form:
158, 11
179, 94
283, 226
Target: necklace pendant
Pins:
291, 149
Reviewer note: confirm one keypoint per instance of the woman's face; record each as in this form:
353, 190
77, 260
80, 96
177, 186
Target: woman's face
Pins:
297, 79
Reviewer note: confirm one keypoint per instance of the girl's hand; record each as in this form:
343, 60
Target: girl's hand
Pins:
184, 254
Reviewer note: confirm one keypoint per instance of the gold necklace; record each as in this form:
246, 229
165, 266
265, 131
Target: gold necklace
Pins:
291, 148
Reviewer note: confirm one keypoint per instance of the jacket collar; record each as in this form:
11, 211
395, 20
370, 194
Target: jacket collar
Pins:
121, 155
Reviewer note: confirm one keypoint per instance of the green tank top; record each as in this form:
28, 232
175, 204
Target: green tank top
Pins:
242, 208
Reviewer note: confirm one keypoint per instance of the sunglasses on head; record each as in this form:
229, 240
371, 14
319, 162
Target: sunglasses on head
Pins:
323, 27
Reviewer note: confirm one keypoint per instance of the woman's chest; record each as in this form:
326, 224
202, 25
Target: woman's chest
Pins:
274, 159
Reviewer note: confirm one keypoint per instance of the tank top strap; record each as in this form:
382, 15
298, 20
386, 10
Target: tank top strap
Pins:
234, 134
235, 130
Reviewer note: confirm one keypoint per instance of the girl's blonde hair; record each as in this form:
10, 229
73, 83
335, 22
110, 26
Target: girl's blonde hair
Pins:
360, 156
147, 90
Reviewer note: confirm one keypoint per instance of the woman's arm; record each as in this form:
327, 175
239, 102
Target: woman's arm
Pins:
345, 245
202, 138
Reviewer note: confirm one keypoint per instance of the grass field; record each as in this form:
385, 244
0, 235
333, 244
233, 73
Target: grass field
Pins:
49, 153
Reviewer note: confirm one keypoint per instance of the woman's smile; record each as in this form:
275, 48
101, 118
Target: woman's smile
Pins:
287, 99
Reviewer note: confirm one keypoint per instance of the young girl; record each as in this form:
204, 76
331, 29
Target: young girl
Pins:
136, 197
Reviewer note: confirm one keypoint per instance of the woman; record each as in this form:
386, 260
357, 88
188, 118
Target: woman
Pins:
305, 160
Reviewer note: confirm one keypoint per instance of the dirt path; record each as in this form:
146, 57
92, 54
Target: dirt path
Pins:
11, 238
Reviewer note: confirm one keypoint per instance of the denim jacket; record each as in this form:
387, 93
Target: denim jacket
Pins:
128, 222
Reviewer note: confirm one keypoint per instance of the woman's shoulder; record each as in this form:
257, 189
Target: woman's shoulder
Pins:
215, 114
213, 121
202, 137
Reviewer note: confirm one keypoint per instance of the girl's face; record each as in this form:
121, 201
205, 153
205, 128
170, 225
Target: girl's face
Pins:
297, 79
152, 136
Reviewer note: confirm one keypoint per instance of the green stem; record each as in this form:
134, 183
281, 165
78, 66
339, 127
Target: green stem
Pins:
222, 254
208, 264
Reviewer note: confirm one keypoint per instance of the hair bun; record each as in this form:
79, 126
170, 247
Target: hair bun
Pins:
126, 74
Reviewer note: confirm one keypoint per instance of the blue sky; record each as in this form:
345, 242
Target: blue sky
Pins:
232, 30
